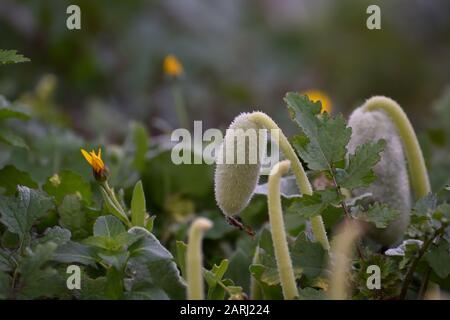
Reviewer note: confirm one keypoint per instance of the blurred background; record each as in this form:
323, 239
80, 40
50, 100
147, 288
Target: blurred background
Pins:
237, 56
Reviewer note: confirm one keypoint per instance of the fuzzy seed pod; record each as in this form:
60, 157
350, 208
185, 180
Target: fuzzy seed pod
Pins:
392, 185
236, 181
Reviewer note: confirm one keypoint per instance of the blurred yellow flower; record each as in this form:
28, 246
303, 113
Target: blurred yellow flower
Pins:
172, 66
316, 95
96, 162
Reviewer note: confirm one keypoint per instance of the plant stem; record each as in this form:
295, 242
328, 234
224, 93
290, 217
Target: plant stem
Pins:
180, 106
415, 263
424, 286
332, 171
110, 194
303, 184
281, 249
194, 257
221, 284
341, 254
416, 163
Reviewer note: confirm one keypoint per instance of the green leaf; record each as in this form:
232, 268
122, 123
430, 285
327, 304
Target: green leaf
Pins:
138, 209
358, 172
181, 256
378, 214
12, 139
439, 259
116, 260
309, 206
116, 243
425, 206
153, 263
20, 213
442, 213
11, 177
72, 216
309, 256
68, 182
56, 235
311, 294
212, 278
326, 138
8, 110
271, 292
11, 56
108, 226
37, 279
145, 291
91, 289
73, 252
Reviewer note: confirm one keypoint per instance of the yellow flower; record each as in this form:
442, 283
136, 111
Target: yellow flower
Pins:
316, 95
96, 162
172, 66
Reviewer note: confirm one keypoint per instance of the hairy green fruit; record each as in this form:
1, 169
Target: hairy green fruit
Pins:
236, 181
392, 185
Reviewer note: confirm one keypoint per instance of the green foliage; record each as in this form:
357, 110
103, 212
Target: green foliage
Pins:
439, 259
19, 213
309, 206
390, 278
359, 171
72, 216
308, 259
326, 138
11, 177
11, 56
68, 182
218, 287
11, 111
138, 210
378, 214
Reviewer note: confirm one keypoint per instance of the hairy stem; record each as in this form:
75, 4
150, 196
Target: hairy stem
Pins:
341, 253
303, 184
194, 257
280, 245
416, 163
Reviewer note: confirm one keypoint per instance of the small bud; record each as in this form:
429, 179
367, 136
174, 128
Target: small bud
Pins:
392, 184
236, 181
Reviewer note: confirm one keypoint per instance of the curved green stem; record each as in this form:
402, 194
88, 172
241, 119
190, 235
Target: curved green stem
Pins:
194, 259
303, 184
416, 163
281, 249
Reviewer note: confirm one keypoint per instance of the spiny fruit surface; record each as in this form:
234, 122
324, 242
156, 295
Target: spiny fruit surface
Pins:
234, 182
392, 184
